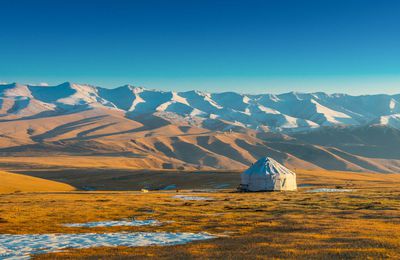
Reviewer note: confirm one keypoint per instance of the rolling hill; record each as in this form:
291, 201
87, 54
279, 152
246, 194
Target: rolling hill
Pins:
11, 182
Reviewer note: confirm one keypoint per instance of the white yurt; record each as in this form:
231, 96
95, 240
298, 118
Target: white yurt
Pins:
268, 175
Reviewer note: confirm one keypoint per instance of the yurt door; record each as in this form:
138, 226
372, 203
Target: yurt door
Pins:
277, 182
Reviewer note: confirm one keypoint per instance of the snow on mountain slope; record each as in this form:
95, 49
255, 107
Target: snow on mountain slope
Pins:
331, 116
362, 108
124, 98
150, 100
176, 104
50, 94
201, 101
82, 95
390, 120
310, 107
29, 107
285, 112
16, 100
14, 90
232, 100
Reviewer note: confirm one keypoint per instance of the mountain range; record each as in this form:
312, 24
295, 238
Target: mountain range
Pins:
194, 129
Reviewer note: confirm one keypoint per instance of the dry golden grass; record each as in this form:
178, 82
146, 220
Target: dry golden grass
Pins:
349, 179
296, 225
72, 161
11, 182
108, 178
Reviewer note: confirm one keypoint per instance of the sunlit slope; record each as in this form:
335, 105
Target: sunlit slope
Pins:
11, 182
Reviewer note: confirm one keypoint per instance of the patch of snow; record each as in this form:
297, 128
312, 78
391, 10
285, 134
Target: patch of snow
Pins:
274, 98
314, 96
392, 104
292, 122
268, 110
23, 246
16, 91
296, 95
213, 116
137, 101
330, 190
164, 106
246, 100
332, 116
237, 123
184, 197
179, 99
137, 90
175, 99
390, 120
212, 102
197, 112
207, 98
132, 223
84, 94
384, 120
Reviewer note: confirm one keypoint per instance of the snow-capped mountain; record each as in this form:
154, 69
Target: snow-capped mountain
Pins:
195, 130
285, 112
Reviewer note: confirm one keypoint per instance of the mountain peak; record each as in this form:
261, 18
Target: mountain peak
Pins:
65, 84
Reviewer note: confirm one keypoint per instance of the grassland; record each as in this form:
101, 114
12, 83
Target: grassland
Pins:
117, 174
361, 224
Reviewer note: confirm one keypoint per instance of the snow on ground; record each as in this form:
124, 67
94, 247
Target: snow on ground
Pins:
330, 190
131, 223
22, 246
184, 197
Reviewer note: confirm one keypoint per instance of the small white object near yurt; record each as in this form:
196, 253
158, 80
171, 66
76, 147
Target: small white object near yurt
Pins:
268, 175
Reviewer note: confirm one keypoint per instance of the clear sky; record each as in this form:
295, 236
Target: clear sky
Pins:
266, 46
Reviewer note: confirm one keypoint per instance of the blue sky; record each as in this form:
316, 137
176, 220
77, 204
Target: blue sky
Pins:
350, 46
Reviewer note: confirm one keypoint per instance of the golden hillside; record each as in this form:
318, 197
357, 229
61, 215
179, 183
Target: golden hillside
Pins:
11, 182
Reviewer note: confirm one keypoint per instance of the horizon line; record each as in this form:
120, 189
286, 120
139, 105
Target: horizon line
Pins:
45, 84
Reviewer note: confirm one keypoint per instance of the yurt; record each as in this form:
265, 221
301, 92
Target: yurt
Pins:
268, 175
